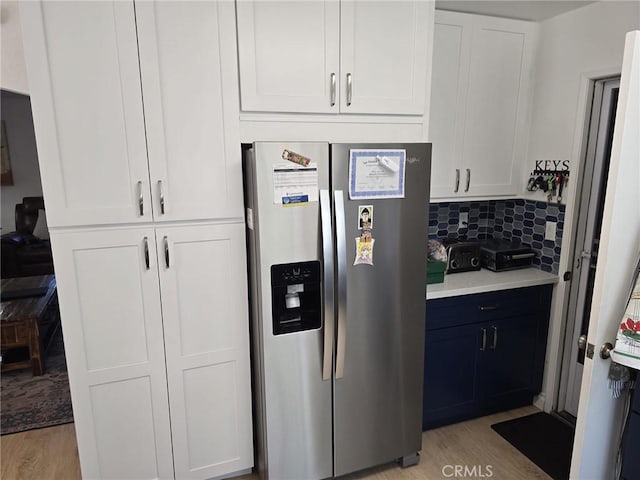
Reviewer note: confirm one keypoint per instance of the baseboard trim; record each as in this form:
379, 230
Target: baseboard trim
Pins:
539, 400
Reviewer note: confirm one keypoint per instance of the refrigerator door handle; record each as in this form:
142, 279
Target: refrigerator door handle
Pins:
327, 282
341, 252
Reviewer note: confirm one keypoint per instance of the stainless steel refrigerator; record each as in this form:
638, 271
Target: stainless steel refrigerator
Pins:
337, 330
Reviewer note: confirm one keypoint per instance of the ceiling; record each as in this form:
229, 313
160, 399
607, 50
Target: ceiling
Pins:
523, 10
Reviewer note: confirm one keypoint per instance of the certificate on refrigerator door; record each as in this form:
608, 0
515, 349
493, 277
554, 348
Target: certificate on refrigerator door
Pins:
376, 174
295, 184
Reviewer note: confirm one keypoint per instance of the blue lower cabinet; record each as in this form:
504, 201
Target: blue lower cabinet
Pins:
631, 443
507, 363
490, 359
451, 354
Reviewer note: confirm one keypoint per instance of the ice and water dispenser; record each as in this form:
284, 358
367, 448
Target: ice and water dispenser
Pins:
296, 297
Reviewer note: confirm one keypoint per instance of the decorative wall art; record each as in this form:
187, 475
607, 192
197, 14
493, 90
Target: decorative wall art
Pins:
6, 176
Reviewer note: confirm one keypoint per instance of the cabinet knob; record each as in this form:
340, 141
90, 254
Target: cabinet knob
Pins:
349, 89
455, 190
466, 188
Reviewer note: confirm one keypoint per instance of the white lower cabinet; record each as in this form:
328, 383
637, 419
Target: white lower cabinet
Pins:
205, 311
155, 322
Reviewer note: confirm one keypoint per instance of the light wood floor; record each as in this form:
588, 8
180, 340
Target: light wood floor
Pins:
51, 453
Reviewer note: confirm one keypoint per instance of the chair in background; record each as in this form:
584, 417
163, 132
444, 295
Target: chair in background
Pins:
24, 254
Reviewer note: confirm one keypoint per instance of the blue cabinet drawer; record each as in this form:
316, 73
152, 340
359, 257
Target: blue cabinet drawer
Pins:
481, 307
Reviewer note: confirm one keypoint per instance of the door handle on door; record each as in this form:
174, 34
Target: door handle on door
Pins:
582, 342
605, 350
584, 255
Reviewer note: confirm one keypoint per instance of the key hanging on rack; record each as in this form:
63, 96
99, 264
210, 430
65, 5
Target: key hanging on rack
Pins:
551, 182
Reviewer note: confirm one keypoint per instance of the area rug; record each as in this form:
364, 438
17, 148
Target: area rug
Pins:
29, 402
544, 439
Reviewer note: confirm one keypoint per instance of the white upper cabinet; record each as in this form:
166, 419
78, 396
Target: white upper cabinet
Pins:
84, 81
451, 48
479, 104
334, 57
383, 56
90, 66
289, 55
194, 162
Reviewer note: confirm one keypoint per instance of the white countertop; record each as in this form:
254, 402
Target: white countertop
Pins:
487, 281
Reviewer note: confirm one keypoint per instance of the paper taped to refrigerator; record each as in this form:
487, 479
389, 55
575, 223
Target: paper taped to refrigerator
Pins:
376, 174
295, 184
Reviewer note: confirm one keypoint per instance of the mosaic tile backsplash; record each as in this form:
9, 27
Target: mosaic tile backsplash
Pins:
519, 219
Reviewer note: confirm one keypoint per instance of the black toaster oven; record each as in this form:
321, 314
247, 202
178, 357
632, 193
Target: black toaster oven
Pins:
500, 255
463, 257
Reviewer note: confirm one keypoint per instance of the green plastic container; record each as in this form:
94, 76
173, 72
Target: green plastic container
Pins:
435, 271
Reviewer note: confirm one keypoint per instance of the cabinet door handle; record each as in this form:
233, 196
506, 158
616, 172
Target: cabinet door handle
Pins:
487, 308
484, 340
495, 337
349, 89
455, 190
333, 89
161, 195
466, 189
166, 251
146, 252
140, 199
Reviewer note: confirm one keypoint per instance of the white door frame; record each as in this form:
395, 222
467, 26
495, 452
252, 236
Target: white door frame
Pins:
588, 192
555, 343
600, 417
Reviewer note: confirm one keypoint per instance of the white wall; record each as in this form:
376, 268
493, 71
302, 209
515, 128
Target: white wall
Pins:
581, 44
16, 112
13, 73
